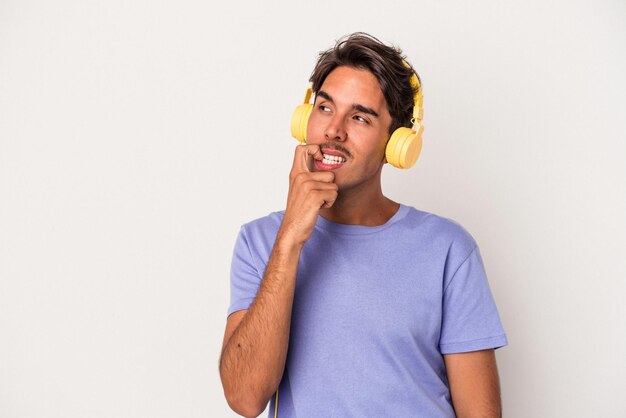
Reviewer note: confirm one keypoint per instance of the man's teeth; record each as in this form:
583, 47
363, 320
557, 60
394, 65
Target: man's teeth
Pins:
333, 159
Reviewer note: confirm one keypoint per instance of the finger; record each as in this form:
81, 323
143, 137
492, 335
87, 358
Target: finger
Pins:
304, 156
324, 176
298, 179
320, 185
329, 197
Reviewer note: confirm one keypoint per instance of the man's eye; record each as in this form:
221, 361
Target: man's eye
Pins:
324, 108
361, 119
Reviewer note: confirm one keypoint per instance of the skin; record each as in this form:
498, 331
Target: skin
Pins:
350, 115
474, 384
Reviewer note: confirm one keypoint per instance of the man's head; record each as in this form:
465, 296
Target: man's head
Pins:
362, 51
363, 92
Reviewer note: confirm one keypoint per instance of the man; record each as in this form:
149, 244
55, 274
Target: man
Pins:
348, 304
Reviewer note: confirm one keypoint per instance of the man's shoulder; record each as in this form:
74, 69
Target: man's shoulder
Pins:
258, 235
267, 224
439, 228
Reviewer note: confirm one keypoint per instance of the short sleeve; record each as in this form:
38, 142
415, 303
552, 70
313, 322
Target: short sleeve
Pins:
470, 317
244, 275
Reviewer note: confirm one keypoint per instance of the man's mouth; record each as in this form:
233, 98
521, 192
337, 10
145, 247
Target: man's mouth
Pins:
333, 159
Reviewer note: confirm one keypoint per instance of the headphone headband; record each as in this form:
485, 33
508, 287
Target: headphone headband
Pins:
418, 99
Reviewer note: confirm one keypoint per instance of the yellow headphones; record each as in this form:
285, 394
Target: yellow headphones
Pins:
404, 145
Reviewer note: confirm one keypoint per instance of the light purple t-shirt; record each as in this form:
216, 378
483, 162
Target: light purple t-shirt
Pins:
374, 310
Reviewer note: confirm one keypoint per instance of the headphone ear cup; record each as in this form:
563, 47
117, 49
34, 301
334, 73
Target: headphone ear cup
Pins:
300, 120
404, 147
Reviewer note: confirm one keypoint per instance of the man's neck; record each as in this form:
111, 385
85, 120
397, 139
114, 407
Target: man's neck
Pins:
358, 208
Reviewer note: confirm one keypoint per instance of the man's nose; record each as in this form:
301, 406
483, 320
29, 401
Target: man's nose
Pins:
335, 130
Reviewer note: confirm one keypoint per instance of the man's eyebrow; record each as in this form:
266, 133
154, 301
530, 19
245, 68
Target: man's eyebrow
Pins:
364, 109
325, 95
358, 107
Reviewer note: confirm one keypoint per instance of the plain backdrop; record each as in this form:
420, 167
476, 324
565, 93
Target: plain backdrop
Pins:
137, 136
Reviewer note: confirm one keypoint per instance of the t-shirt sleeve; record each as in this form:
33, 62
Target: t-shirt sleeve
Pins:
244, 275
470, 317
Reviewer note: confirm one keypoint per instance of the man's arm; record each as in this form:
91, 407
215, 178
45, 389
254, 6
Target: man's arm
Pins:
256, 340
474, 384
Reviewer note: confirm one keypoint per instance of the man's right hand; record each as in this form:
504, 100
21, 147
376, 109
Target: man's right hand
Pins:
308, 193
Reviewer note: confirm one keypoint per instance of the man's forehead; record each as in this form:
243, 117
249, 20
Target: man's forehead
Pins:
354, 86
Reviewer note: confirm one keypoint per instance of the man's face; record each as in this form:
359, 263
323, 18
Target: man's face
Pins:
350, 122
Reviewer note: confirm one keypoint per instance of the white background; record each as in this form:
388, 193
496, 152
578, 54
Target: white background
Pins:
137, 136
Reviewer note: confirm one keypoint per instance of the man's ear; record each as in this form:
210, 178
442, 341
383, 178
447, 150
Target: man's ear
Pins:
385, 152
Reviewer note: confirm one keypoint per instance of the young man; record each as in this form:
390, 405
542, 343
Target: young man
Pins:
348, 304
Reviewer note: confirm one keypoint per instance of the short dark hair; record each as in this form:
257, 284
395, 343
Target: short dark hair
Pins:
365, 52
